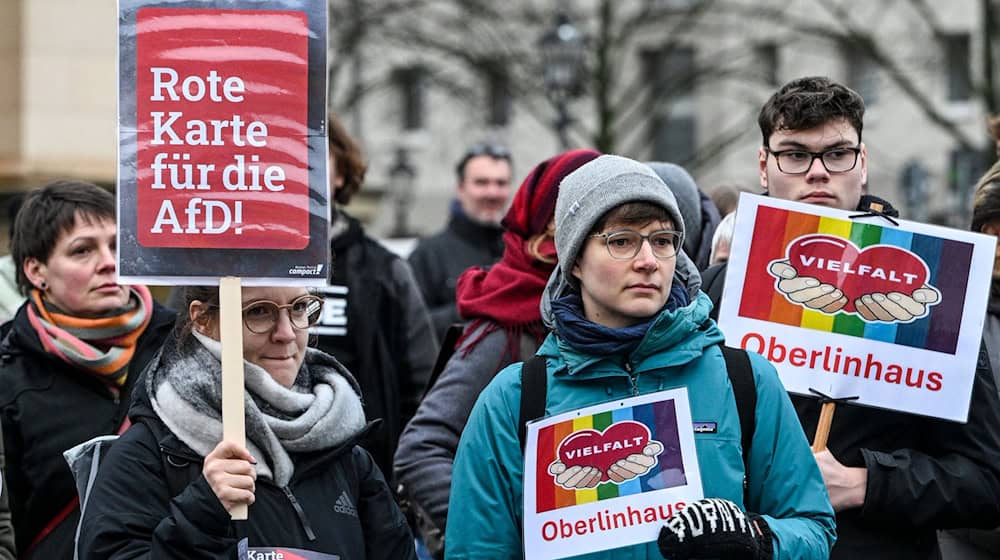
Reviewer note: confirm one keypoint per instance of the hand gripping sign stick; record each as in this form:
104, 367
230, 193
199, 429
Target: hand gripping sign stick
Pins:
231, 337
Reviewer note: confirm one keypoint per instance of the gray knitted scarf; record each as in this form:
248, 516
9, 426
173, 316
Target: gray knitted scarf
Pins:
320, 411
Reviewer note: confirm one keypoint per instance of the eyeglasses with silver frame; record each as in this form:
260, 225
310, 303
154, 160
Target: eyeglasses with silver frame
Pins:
625, 244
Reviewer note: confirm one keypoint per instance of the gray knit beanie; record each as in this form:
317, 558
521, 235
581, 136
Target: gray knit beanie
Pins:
685, 190
597, 187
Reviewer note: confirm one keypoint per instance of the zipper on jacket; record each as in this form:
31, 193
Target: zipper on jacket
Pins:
298, 511
632, 377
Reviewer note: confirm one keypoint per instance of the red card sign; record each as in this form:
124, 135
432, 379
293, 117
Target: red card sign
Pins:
591, 448
221, 103
876, 269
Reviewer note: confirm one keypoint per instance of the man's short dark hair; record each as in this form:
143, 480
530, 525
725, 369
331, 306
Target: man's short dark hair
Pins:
50, 211
810, 102
495, 151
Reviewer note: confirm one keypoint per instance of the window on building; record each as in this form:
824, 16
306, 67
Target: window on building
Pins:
862, 73
498, 94
671, 73
767, 60
956, 56
914, 181
410, 84
964, 168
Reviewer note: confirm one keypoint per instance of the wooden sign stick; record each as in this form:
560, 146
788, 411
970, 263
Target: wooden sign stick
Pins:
823, 427
231, 337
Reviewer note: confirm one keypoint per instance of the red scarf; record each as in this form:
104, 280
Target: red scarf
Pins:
506, 295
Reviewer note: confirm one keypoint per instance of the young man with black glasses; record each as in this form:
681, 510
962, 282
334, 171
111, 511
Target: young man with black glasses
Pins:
893, 478
473, 234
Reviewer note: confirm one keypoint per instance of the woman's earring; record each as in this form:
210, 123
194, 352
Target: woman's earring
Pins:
43, 286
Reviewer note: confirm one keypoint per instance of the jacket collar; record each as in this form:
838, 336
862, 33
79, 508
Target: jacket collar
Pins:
675, 338
466, 228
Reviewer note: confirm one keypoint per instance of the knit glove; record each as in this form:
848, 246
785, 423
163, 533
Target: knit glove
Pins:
715, 528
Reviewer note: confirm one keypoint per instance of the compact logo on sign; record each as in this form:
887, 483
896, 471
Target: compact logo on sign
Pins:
621, 452
306, 270
880, 283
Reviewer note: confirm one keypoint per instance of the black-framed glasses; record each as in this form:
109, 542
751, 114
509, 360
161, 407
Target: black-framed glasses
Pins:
797, 162
260, 317
625, 244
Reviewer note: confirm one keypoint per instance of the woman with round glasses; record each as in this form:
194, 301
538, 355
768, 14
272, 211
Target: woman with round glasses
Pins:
166, 487
627, 319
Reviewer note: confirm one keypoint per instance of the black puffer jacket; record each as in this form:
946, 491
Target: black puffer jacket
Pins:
923, 473
46, 407
336, 503
376, 324
440, 259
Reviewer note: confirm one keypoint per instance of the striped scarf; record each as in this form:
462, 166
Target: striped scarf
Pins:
102, 346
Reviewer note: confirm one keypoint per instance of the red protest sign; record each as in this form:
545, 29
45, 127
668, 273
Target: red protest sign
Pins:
221, 128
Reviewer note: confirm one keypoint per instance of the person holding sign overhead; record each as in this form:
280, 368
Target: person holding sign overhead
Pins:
167, 486
628, 321
69, 359
893, 478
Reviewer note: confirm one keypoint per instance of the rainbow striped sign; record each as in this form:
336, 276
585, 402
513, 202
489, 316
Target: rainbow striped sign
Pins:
659, 417
859, 306
775, 229
608, 475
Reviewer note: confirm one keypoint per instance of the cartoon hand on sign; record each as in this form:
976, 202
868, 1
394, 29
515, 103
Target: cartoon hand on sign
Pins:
620, 453
880, 283
636, 464
806, 291
576, 476
896, 306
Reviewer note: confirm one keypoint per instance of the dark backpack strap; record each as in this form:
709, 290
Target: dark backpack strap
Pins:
533, 390
745, 391
445, 353
713, 280
178, 471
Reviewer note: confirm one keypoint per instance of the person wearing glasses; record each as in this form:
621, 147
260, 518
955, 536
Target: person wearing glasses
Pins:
473, 236
627, 319
893, 478
505, 326
167, 486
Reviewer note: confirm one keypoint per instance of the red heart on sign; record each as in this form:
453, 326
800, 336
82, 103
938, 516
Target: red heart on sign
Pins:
876, 269
590, 448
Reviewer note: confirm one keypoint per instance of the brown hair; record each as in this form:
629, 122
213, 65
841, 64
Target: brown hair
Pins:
348, 159
810, 102
633, 214
993, 125
208, 295
986, 207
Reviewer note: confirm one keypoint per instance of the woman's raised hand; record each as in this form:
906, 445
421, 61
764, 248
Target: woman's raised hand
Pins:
229, 471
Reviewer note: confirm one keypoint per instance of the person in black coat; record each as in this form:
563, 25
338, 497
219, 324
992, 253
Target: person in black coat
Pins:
308, 486
894, 479
374, 319
69, 359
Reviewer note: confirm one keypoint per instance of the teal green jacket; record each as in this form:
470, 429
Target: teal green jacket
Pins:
681, 349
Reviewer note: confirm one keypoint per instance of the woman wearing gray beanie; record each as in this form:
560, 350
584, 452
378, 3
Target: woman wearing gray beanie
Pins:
627, 319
